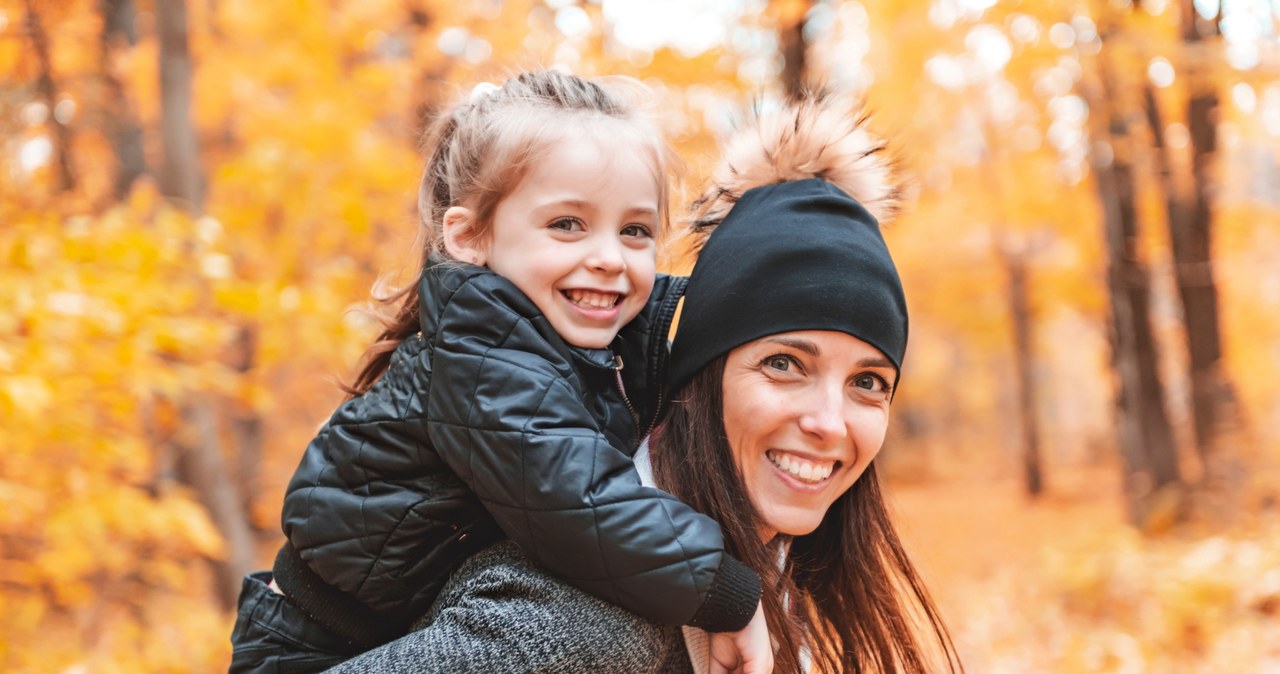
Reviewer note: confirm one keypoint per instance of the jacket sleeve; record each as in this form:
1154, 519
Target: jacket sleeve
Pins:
504, 413
501, 613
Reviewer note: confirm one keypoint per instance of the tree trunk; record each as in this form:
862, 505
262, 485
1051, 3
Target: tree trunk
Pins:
119, 122
180, 177
1020, 312
247, 426
1145, 434
63, 174
197, 446
200, 464
794, 61
1013, 252
1192, 237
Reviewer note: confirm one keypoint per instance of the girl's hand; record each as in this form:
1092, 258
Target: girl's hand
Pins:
747, 651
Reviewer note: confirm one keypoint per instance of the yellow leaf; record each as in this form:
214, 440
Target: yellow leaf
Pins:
28, 394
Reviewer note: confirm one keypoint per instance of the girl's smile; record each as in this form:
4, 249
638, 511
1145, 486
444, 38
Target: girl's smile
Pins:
592, 298
576, 236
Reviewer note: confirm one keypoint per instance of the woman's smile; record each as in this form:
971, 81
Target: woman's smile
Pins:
805, 412
807, 472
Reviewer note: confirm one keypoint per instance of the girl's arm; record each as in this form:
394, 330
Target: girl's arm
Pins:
505, 411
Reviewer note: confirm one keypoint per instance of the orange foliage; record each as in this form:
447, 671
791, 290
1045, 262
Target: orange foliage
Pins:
119, 313
1062, 586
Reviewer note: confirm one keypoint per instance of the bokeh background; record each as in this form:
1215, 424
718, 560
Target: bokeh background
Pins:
196, 197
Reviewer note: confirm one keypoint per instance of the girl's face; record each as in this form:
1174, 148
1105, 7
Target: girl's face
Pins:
577, 237
805, 413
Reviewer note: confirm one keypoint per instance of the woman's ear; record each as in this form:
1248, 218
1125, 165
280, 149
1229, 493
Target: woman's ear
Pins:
460, 239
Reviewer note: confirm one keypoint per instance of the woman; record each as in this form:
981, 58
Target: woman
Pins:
783, 370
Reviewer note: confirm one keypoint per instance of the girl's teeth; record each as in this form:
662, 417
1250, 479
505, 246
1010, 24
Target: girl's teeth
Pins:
592, 300
802, 469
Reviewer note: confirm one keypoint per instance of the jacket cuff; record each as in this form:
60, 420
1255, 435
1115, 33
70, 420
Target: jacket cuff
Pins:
332, 609
732, 600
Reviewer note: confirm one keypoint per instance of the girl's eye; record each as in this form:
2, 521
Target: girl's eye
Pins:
639, 231
567, 224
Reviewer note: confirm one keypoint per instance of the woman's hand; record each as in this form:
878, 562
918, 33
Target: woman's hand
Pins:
747, 651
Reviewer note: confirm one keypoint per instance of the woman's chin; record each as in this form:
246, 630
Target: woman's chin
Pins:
791, 521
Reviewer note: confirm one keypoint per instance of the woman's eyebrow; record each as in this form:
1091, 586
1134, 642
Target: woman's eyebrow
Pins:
798, 344
812, 349
875, 361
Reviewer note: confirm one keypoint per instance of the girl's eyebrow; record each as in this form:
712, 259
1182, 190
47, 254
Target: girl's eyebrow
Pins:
579, 204
584, 205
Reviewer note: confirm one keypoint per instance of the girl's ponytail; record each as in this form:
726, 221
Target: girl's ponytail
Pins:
433, 199
395, 329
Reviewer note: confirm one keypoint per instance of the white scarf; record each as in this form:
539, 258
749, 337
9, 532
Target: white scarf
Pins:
696, 641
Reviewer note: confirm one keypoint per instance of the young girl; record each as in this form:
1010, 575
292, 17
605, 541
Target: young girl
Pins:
507, 397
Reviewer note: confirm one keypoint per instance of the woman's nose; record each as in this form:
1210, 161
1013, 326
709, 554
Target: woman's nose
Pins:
824, 415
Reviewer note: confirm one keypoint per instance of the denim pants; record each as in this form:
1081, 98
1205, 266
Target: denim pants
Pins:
272, 636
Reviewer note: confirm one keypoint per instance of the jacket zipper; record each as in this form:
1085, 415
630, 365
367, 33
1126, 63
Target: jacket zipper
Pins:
635, 418
654, 421
660, 338
617, 374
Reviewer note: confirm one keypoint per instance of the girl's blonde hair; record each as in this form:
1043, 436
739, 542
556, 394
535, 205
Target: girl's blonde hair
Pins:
479, 150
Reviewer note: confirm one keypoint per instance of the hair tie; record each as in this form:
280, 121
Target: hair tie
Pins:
481, 90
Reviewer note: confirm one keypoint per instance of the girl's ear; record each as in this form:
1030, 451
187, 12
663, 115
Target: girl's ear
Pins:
460, 239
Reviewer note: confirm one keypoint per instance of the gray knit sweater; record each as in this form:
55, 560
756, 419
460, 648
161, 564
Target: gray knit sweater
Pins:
501, 613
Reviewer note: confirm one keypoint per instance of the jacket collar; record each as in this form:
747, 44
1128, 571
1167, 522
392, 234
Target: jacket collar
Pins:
442, 277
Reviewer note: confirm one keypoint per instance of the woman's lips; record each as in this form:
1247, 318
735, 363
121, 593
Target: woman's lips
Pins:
804, 470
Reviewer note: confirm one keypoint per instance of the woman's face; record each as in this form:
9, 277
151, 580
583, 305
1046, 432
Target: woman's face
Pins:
805, 413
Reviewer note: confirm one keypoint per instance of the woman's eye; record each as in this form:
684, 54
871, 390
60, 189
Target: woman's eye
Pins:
639, 231
779, 363
871, 382
567, 224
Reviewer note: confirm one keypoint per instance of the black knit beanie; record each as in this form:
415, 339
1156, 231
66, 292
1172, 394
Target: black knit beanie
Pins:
799, 255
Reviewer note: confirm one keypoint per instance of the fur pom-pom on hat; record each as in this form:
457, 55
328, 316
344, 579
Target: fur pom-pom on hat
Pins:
818, 136
788, 239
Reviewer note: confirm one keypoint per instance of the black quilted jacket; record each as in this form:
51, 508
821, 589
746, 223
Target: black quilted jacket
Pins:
488, 423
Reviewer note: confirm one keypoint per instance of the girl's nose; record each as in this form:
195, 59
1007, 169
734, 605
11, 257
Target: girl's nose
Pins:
606, 256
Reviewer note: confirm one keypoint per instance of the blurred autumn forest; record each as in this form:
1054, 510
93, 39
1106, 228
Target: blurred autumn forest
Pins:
195, 195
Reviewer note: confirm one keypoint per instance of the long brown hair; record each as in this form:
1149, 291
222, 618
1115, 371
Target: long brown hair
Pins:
480, 149
848, 591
